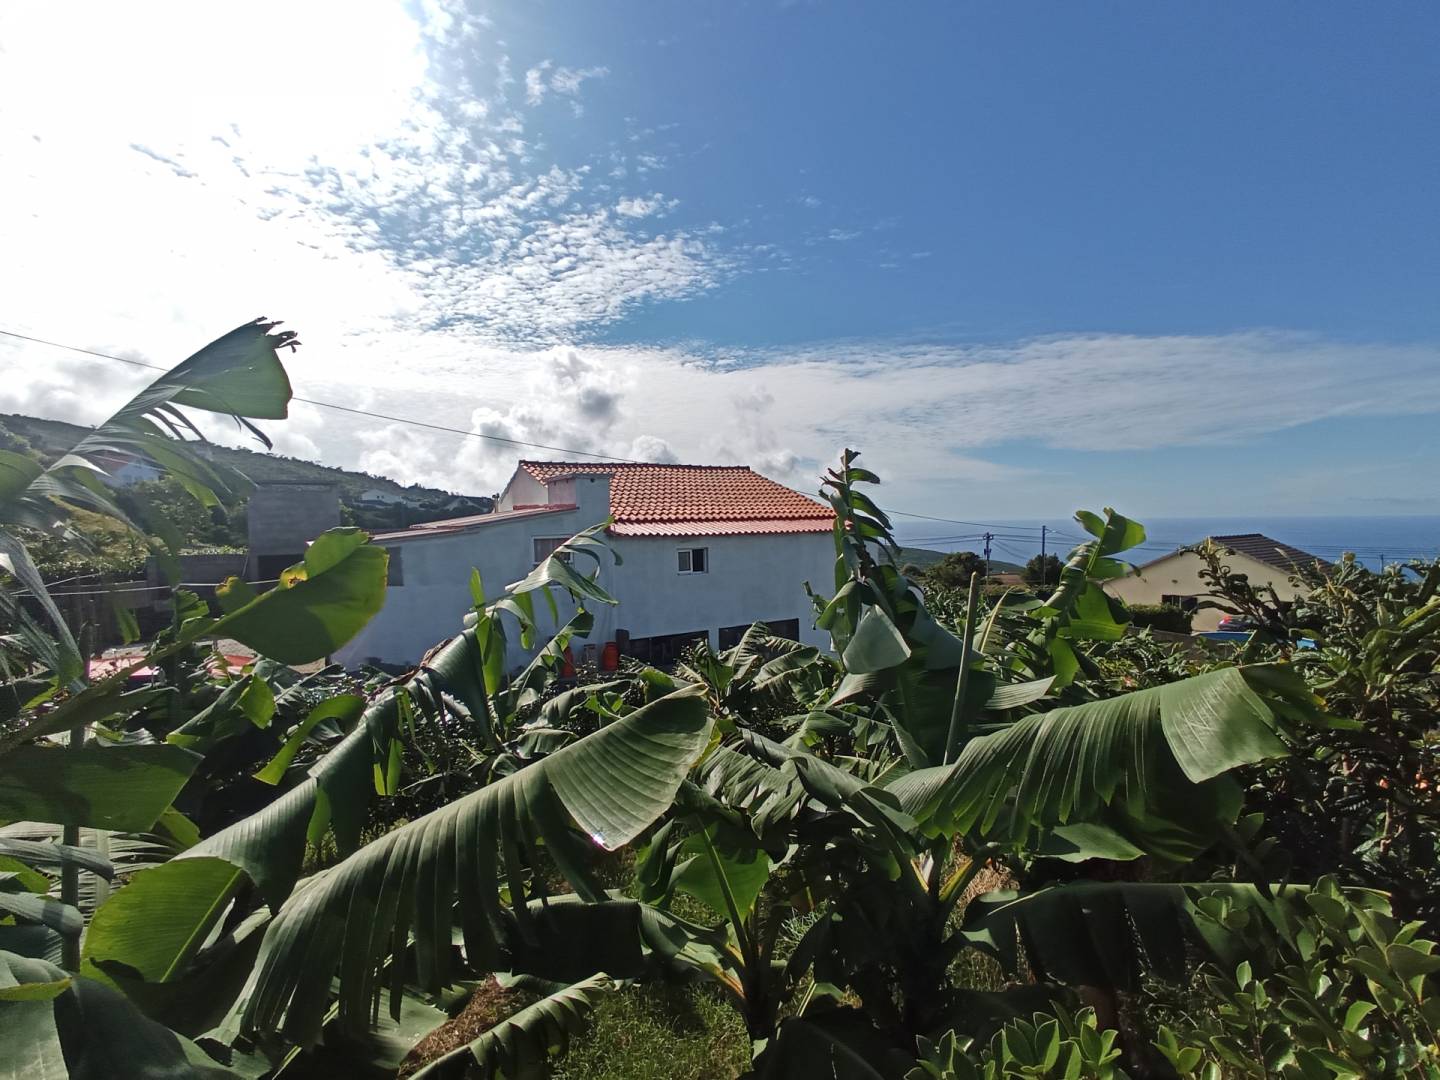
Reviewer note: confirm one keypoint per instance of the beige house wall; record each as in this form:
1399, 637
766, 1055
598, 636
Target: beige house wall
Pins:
1179, 575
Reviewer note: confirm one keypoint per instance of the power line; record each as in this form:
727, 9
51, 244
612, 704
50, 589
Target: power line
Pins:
344, 408
975, 524
468, 434
136, 587
1152, 543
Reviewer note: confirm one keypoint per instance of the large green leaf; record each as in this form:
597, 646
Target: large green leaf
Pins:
58, 1027
1079, 609
719, 863
126, 940
1152, 754
609, 786
43, 853
125, 788
239, 374
318, 605
877, 644
522, 1042
838, 1044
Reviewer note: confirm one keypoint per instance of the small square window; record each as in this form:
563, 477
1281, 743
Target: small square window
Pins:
544, 547
694, 560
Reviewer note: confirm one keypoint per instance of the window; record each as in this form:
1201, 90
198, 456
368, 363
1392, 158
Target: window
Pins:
1184, 603
694, 560
395, 570
544, 547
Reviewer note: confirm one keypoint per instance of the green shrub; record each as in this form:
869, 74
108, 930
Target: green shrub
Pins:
1161, 617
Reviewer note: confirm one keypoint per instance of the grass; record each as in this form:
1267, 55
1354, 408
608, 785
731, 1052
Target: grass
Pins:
659, 1033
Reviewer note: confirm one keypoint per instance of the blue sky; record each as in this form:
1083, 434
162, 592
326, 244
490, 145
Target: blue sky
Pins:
1177, 259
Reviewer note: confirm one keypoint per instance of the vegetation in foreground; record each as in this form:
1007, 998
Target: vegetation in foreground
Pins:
990, 837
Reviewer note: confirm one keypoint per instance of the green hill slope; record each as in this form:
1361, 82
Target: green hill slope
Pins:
925, 558
51, 438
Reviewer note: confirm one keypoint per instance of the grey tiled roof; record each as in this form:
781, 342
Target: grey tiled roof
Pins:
1271, 552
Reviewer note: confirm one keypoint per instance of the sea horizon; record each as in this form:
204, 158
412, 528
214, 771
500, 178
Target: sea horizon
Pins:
1373, 538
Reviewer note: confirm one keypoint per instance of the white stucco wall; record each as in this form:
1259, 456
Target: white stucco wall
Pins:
749, 578
523, 490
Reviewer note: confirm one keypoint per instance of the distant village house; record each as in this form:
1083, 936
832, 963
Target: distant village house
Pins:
1174, 579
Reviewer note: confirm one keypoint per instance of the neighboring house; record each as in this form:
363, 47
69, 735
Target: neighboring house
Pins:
706, 551
1175, 578
281, 519
123, 470
377, 497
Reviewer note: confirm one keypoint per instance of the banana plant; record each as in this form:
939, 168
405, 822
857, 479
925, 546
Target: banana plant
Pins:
123, 782
239, 375
237, 905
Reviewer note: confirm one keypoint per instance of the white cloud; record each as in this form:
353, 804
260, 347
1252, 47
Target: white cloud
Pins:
652, 449
639, 207
536, 84
564, 81
355, 180
369, 185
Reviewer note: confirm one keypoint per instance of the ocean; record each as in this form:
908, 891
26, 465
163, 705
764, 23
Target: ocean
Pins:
1373, 539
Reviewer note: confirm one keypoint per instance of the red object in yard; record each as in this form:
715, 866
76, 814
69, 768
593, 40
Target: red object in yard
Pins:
567, 668
103, 667
610, 657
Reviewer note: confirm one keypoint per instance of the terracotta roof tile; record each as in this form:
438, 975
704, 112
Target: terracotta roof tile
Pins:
695, 500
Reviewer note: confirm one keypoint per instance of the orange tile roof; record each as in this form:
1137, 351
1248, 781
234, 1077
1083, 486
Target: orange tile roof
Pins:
695, 500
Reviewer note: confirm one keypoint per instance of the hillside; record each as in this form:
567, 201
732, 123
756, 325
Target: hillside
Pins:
925, 558
51, 438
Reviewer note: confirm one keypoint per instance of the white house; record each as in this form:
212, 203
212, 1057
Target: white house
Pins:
706, 551
1175, 578
377, 497
123, 470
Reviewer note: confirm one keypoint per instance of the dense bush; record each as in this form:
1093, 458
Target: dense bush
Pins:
1043, 571
1161, 617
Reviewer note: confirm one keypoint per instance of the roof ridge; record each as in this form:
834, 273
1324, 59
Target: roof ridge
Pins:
631, 464
676, 493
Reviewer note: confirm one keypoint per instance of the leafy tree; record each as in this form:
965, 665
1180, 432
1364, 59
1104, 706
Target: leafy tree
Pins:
96, 544
1043, 571
956, 568
197, 524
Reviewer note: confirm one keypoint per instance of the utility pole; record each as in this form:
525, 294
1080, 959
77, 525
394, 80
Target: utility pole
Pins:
1043, 530
988, 538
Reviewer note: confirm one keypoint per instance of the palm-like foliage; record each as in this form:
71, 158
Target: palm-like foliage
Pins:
828, 817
